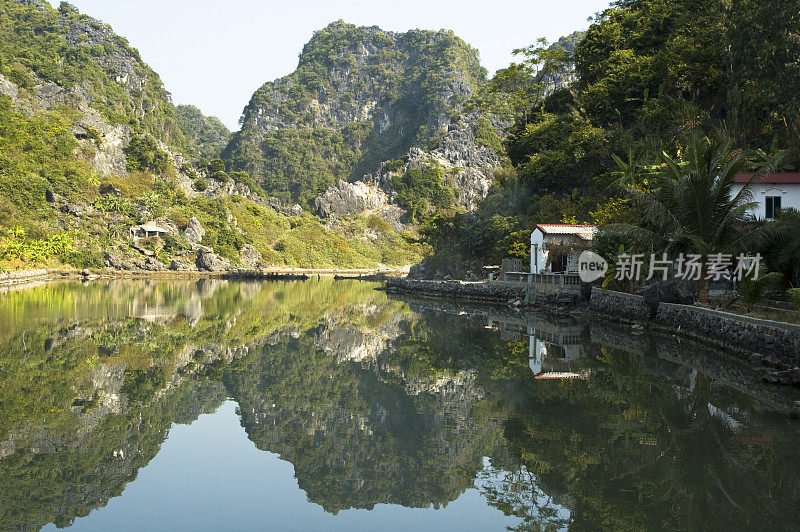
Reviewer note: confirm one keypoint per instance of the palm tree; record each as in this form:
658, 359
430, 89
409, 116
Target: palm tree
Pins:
783, 254
694, 209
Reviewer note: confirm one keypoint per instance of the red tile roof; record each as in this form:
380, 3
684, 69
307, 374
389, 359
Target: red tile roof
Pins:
772, 179
566, 229
582, 232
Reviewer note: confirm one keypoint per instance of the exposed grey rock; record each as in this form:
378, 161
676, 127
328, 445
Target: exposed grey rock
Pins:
77, 209
112, 260
393, 215
468, 165
180, 265
249, 256
673, 291
194, 231
143, 250
275, 204
151, 264
7, 448
216, 188
8, 88
349, 199
211, 262
109, 189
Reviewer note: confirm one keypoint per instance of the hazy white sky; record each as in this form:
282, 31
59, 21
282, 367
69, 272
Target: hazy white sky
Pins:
215, 54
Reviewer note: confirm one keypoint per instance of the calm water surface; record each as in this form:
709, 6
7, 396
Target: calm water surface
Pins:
135, 405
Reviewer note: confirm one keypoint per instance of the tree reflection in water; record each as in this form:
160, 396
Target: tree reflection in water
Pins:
375, 401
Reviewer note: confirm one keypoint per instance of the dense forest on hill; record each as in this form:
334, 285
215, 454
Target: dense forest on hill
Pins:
649, 74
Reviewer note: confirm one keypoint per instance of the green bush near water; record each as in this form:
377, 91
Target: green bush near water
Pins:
85, 258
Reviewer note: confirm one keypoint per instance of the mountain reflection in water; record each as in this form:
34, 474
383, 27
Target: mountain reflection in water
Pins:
376, 401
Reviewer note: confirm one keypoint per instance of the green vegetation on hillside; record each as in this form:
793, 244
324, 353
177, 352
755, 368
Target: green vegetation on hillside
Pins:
35, 159
208, 134
304, 132
650, 76
301, 163
56, 207
421, 190
42, 44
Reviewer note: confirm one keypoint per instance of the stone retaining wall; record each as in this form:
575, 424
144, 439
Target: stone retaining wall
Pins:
11, 278
619, 306
726, 329
731, 331
482, 292
546, 294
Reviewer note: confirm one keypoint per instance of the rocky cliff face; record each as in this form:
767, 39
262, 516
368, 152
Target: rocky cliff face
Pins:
347, 75
361, 96
567, 75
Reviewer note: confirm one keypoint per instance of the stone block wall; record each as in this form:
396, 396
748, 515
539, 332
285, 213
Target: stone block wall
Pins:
726, 329
618, 306
723, 329
497, 293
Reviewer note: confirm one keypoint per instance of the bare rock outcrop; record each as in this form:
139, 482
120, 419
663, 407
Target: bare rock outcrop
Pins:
249, 256
350, 199
194, 232
211, 262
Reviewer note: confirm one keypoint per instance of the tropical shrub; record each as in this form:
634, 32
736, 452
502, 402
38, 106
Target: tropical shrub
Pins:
84, 258
794, 297
752, 290
143, 155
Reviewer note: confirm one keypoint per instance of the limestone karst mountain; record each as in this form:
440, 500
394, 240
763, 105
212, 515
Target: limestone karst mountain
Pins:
369, 105
370, 134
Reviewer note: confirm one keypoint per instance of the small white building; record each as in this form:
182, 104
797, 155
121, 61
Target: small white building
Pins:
148, 230
569, 240
772, 192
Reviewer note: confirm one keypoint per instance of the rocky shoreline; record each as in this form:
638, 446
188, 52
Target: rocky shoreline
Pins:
24, 278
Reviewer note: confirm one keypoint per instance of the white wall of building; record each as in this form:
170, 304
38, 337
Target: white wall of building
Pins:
538, 253
788, 192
